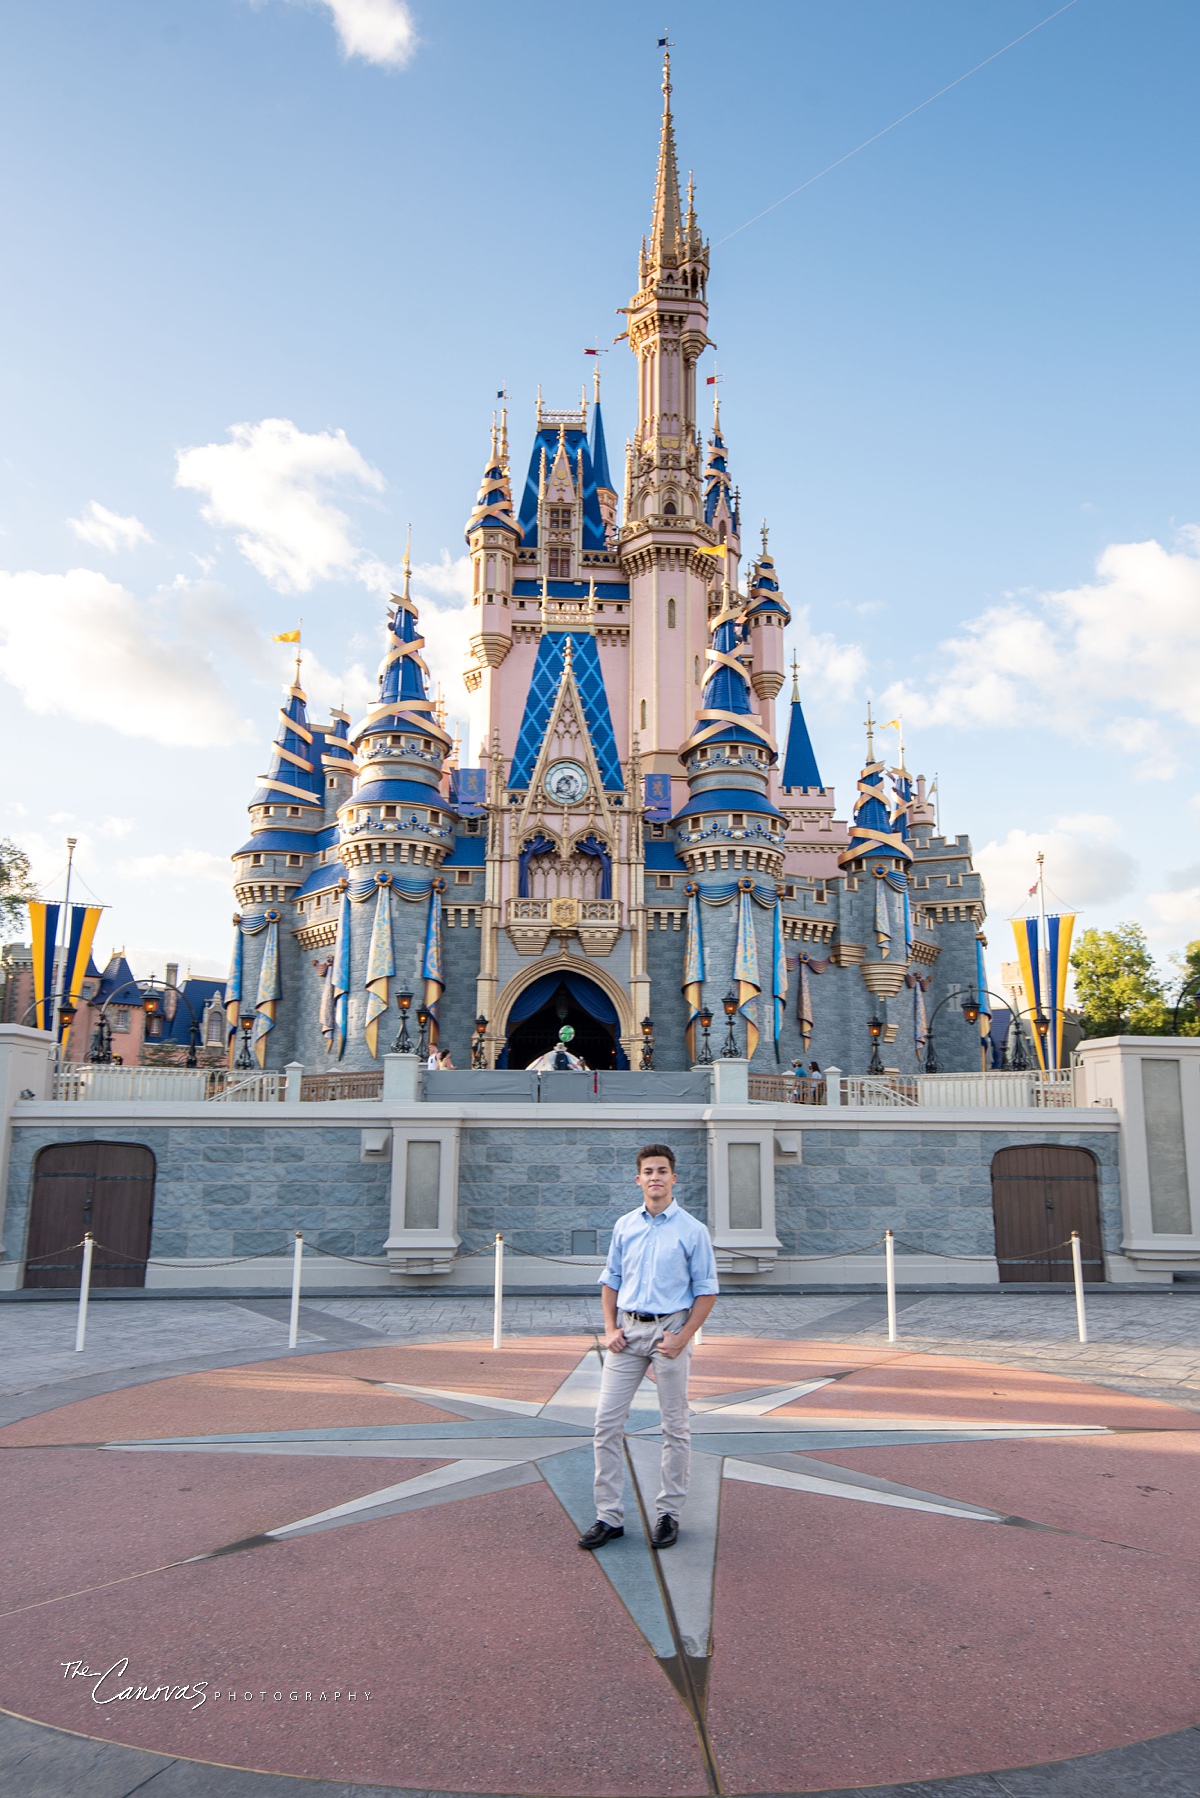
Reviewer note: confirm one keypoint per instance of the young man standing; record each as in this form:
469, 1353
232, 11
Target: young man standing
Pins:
658, 1286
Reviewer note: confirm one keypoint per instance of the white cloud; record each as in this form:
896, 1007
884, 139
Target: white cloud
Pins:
354, 689
77, 645
378, 31
271, 483
829, 670
444, 591
108, 530
181, 869
1082, 866
1064, 660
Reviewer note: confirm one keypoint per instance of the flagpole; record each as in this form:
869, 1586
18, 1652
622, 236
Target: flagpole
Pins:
1044, 956
60, 972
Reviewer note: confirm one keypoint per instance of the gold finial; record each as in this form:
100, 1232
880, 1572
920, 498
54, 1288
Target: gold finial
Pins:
666, 75
870, 734
407, 565
504, 438
795, 678
494, 440
596, 383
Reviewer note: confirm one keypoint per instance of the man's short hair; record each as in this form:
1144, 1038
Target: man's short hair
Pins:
652, 1151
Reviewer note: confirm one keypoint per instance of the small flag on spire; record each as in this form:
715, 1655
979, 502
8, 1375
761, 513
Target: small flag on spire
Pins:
710, 380
1033, 889
287, 637
591, 352
712, 549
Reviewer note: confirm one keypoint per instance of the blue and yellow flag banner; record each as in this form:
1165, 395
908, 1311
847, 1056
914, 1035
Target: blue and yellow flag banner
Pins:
693, 966
339, 974
780, 979
381, 965
1058, 957
43, 927
1025, 930
432, 965
745, 966
269, 990
981, 992
82, 934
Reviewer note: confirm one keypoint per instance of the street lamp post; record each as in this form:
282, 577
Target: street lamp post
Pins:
875, 1065
403, 1042
478, 1057
704, 1019
244, 1057
647, 1045
730, 1051
423, 1027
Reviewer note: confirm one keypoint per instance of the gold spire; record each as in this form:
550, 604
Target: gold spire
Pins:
665, 234
795, 678
764, 538
870, 734
406, 596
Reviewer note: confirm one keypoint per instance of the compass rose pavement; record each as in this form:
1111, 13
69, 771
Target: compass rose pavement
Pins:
892, 1567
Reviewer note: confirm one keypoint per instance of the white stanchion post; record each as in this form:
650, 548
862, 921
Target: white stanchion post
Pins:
85, 1287
1077, 1265
889, 1255
297, 1264
498, 1303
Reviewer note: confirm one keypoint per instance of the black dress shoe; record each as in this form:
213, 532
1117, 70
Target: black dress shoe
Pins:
600, 1533
666, 1531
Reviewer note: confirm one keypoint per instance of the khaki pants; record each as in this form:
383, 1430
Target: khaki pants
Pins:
623, 1374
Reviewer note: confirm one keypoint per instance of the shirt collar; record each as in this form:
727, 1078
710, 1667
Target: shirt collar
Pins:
652, 1217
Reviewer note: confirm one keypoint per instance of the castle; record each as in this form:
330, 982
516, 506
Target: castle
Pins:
633, 852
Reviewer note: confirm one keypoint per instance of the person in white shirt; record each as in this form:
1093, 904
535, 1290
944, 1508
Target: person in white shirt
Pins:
658, 1286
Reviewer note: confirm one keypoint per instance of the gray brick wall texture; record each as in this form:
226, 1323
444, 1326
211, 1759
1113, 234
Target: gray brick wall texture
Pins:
931, 1187
236, 1190
539, 1185
241, 1190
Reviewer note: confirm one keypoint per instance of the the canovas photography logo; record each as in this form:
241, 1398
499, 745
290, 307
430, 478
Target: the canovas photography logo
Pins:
111, 1683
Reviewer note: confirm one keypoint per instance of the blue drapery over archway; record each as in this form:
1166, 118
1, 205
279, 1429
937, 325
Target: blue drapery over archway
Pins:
589, 845
587, 995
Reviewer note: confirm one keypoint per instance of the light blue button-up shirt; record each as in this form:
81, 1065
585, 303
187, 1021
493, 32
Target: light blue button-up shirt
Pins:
661, 1263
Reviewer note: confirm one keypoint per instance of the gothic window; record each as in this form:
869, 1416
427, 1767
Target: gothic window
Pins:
643, 714
560, 518
669, 509
670, 614
559, 564
723, 531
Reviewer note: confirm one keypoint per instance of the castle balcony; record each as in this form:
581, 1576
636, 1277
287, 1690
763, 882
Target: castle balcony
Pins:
531, 923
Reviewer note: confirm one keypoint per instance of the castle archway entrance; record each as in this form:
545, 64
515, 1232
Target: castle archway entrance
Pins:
563, 996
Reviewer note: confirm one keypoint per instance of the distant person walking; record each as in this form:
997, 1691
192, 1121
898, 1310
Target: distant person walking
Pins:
658, 1286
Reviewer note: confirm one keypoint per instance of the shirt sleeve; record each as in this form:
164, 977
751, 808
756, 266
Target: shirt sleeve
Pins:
611, 1275
703, 1264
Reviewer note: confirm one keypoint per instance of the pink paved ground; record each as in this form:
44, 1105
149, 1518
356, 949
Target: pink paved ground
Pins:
854, 1644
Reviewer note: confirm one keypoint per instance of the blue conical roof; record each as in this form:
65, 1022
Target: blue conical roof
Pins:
600, 451
799, 762
726, 697
873, 831
295, 776
403, 696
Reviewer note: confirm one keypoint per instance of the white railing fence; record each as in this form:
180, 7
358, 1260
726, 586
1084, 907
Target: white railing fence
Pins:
1053, 1089
236, 1086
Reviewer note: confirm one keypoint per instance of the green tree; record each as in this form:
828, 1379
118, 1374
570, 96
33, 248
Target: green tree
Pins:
1187, 968
16, 885
1120, 990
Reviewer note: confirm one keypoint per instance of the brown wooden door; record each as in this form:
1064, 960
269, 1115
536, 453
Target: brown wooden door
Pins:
104, 1187
1040, 1193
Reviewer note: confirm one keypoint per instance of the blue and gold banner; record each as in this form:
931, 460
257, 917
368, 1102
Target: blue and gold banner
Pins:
780, 980
84, 919
339, 974
657, 797
1058, 956
1025, 930
269, 989
432, 966
883, 921
43, 928
381, 964
693, 966
745, 966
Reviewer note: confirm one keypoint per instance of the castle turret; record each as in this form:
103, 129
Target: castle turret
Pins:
665, 535
766, 618
286, 812
493, 536
395, 812
729, 820
606, 493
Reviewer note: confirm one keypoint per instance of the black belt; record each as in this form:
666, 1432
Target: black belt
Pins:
651, 1317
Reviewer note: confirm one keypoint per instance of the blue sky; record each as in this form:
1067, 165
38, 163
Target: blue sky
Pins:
959, 380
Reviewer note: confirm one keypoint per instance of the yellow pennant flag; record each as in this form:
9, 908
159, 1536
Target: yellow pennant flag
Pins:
712, 549
287, 637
